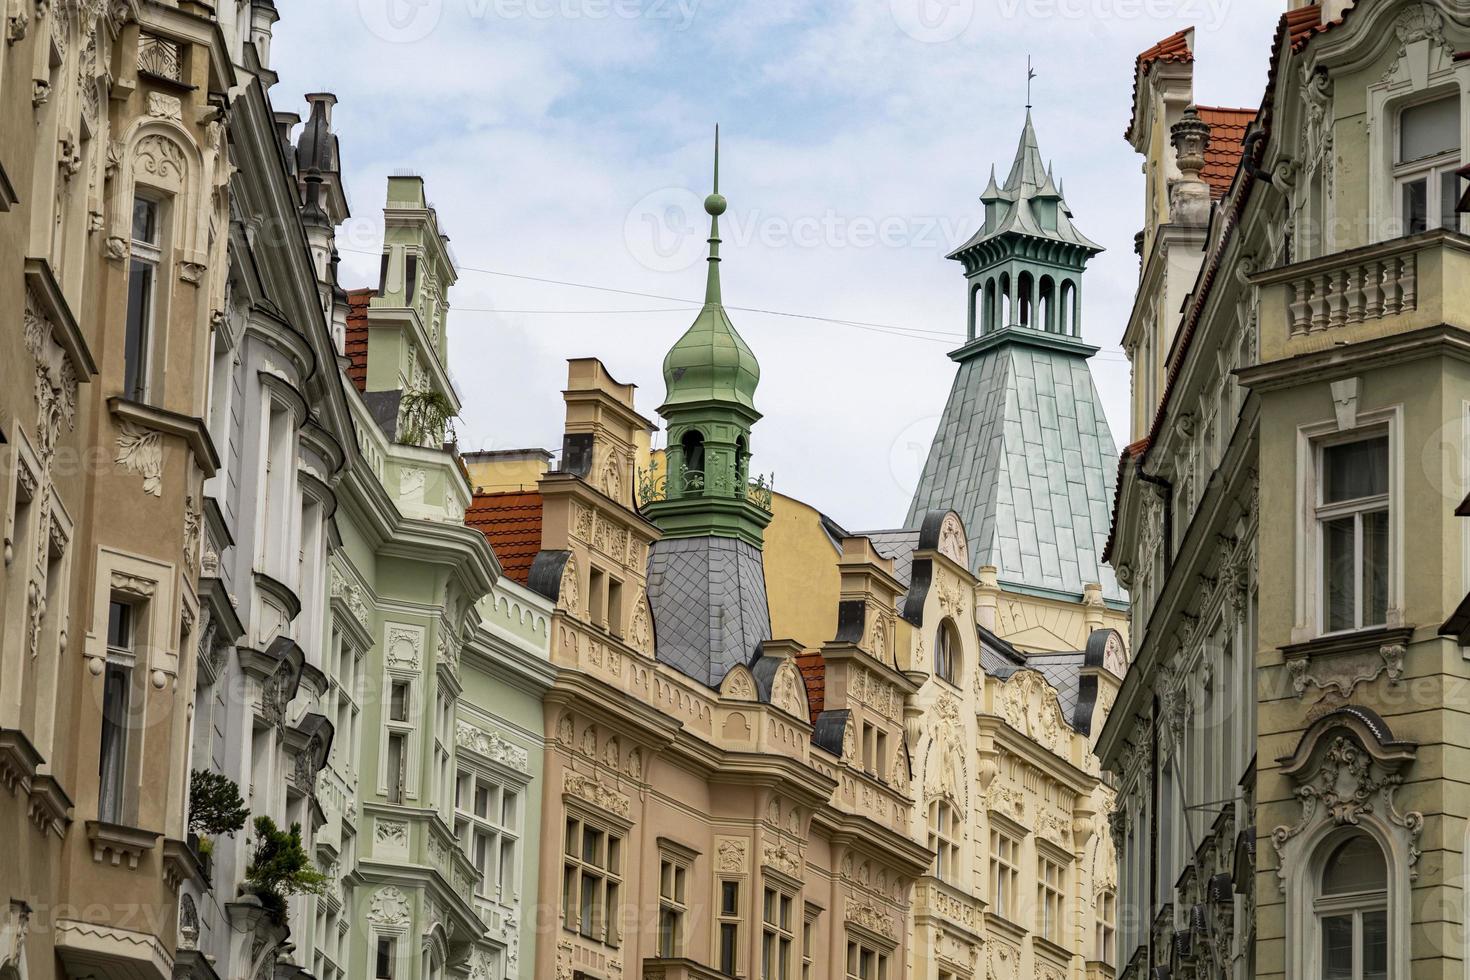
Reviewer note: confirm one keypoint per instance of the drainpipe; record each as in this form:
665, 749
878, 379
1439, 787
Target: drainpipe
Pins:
1153, 833
1248, 156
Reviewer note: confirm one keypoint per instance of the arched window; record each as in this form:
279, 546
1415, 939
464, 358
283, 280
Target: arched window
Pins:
944, 840
1048, 306
1026, 299
990, 308
1007, 300
742, 464
1352, 911
947, 653
1067, 321
692, 445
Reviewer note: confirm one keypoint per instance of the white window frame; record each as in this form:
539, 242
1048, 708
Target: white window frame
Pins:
610, 874
1429, 169
151, 254
1004, 872
1309, 608
1405, 84
944, 840
1354, 904
780, 931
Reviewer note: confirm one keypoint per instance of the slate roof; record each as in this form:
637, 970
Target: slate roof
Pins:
512, 524
1024, 455
708, 598
1063, 671
898, 547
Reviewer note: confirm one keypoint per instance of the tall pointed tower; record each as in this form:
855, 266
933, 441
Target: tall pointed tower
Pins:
1023, 452
706, 581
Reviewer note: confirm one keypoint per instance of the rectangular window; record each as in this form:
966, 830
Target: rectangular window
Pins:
1050, 898
386, 955
865, 963
116, 702
944, 837
808, 928
777, 934
395, 767
591, 875
615, 606
729, 921
1352, 529
142, 286
1005, 875
597, 597
672, 908
1107, 928
398, 702
1428, 154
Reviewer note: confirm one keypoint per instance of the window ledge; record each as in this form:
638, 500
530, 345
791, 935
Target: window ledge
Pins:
180, 864
117, 842
41, 283
1342, 661
8, 197
679, 968
50, 806
186, 427
18, 760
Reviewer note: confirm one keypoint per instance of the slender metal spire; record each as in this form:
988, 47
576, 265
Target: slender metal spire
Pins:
1030, 74
714, 206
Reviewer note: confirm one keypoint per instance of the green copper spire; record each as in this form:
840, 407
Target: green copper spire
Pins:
1024, 266
710, 377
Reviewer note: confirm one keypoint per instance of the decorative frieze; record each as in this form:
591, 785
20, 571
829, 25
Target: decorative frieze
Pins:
491, 746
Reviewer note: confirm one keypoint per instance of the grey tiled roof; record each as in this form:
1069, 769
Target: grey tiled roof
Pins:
1025, 457
708, 598
1063, 671
898, 547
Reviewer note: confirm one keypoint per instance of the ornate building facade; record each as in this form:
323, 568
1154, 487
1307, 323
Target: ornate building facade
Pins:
1283, 741
112, 239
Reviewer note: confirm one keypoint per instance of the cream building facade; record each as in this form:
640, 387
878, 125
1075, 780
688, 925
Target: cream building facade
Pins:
1284, 743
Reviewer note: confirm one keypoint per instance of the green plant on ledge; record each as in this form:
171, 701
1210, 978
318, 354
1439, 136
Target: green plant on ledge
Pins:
424, 416
279, 868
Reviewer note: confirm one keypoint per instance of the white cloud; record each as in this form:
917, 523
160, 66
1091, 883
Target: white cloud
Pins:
539, 136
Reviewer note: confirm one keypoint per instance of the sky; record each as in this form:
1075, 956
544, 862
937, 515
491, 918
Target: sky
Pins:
567, 144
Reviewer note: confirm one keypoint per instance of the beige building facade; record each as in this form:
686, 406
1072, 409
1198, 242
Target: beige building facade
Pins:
111, 241
1286, 742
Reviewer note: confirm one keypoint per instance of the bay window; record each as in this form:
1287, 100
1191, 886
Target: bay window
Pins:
591, 878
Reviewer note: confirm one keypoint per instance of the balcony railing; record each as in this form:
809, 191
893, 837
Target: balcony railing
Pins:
653, 486
1388, 287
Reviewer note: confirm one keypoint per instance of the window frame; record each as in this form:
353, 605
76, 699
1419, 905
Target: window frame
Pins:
1051, 898
1324, 513
673, 902
1431, 169
1354, 905
1004, 873
150, 256
947, 652
607, 878
945, 840
779, 929
728, 920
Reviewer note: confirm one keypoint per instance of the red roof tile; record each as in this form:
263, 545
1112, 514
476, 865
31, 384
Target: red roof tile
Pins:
1175, 48
512, 524
356, 344
1227, 135
814, 672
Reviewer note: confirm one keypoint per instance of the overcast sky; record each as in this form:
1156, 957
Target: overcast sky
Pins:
570, 140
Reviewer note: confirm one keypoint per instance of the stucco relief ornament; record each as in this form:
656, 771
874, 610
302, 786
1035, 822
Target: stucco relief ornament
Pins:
731, 855
1347, 785
492, 746
403, 647
952, 543
849, 742
140, 451
568, 590
389, 907
55, 380
640, 633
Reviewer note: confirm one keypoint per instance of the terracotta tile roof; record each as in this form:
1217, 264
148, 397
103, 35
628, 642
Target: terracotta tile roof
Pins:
814, 672
1176, 48
1302, 23
356, 344
512, 524
1227, 135
1133, 450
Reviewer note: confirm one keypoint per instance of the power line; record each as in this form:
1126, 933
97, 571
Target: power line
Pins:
892, 329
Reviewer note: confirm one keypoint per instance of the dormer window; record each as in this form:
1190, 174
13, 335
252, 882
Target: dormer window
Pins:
1427, 154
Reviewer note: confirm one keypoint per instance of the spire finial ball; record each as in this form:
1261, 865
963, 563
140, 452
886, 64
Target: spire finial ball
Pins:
715, 205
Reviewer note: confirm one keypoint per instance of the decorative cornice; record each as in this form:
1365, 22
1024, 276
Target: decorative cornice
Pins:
41, 281
117, 842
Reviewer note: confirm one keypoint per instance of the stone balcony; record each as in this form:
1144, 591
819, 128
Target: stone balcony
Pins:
1369, 293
